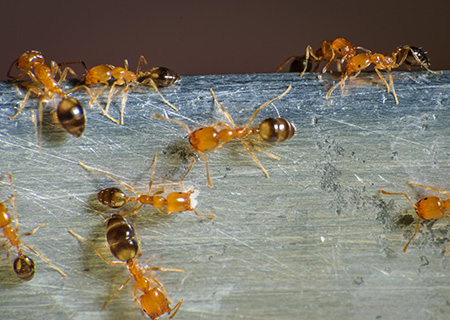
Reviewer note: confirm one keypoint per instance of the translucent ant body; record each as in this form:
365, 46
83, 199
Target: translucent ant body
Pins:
402, 54
210, 138
340, 49
23, 264
156, 77
175, 201
427, 208
124, 246
69, 111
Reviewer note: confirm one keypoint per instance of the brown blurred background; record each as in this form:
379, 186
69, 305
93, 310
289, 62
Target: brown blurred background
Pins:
210, 37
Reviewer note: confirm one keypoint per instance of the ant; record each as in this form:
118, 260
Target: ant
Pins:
23, 264
175, 201
209, 138
329, 51
428, 208
123, 245
413, 56
43, 84
156, 77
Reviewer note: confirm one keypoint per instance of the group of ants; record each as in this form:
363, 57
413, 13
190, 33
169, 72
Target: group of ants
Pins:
44, 81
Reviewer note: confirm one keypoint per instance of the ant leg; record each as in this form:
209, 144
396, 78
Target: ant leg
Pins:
430, 188
211, 216
111, 92
109, 176
184, 125
334, 87
188, 170
255, 159
124, 102
223, 110
80, 238
265, 104
177, 306
22, 105
142, 61
207, 168
285, 62
117, 291
382, 79
261, 150
309, 52
8, 252
42, 256
153, 175
155, 87
391, 81
34, 230
415, 232
93, 99
400, 194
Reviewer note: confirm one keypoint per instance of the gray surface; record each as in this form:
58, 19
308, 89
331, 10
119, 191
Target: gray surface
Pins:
314, 241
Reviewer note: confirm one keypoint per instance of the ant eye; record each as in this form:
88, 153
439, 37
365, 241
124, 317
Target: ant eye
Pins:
359, 66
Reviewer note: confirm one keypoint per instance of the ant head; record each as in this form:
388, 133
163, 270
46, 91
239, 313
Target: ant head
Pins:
358, 63
5, 217
29, 60
343, 46
154, 303
430, 207
98, 74
24, 267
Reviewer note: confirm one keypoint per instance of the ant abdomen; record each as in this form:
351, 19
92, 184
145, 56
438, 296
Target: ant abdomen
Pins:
417, 56
24, 267
112, 197
121, 238
71, 116
163, 77
276, 130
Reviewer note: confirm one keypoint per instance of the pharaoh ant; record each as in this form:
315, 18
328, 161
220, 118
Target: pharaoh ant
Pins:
329, 51
428, 208
207, 139
402, 54
43, 84
155, 77
125, 247
23, 264
175, 201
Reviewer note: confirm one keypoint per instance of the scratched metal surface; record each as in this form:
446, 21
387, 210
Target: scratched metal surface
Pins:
314, 241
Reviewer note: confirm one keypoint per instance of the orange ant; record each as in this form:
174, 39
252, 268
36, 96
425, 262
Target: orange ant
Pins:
330, 51
175, 201
122, 242
209, 138
383, 62
23, 264
69, 111
156, 77
428, 208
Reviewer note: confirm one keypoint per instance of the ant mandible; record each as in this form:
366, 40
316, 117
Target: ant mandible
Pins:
175, 201
156, 77
124, 246
209, 138
428, 208
23, 264
69, 111
330, 51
